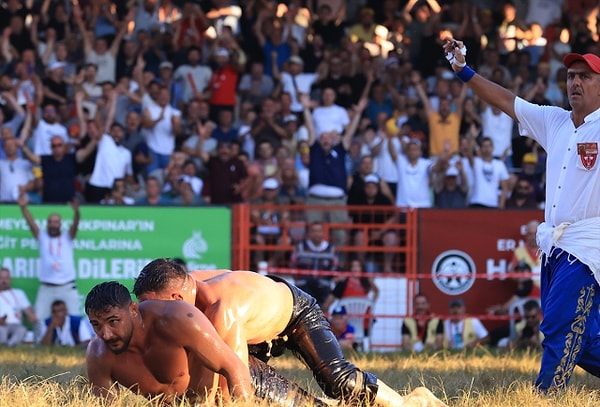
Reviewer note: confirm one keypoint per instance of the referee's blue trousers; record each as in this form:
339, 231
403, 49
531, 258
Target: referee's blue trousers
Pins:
570, 298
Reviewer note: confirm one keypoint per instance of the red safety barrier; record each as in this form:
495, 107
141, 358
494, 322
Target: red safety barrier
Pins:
443, 254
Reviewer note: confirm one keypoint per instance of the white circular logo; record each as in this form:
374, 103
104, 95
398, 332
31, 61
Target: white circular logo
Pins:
453, 272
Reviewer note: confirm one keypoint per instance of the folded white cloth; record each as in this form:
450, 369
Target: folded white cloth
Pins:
580, 239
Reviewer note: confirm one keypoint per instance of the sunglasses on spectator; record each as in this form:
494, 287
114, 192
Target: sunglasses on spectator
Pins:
57, 145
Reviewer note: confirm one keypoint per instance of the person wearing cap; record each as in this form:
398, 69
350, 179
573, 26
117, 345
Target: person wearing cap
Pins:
55, 86
569, 236
364, 29
532, 170
221, 89
295, 82
166, 79
451, 187
373, 197
342, 329
268, 220
460, 331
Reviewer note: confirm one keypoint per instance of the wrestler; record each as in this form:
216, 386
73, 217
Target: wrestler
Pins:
264, 315
169, 349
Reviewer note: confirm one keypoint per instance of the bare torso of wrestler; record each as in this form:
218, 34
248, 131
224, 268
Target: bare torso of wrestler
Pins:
154, 363
244, 303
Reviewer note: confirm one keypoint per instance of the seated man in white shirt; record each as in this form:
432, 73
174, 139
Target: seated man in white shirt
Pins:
13, 304
63, 329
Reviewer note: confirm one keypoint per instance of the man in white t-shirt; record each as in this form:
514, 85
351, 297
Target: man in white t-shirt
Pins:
13, 304
490, 182
193, 76
330, 117
113, 161
498, 126
162, 123
47, 128
295, 82
414, 174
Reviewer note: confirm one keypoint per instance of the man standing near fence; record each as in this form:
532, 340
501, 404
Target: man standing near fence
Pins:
57, 263
569, 238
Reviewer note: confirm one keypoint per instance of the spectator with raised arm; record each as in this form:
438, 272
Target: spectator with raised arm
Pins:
328, 177
57, 272
162, 123
96, 49
444, 124
16, 173
490, 182
59, 168
193, 75
45, 129
112, 159
415, 173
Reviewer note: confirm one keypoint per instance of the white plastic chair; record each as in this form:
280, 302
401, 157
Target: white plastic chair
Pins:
355, 307
517, 308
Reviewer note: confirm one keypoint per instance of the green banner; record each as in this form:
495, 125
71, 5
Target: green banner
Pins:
116, 242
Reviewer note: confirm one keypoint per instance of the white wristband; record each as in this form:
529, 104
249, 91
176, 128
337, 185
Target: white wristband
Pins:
459, 64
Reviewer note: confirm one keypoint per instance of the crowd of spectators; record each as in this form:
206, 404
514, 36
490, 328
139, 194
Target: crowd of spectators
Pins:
158, 102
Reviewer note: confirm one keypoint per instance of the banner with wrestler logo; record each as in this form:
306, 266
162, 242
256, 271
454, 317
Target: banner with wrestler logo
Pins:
588, 153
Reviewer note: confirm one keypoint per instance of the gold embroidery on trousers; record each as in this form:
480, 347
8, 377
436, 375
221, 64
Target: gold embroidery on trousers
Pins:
573, 340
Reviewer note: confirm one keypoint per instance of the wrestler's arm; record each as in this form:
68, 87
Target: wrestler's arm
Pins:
189, 327
490, 92
231, 329
99, 370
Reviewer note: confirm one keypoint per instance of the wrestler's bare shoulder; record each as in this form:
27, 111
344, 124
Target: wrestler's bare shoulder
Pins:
97, 350
201, 275
161, 314
245, 277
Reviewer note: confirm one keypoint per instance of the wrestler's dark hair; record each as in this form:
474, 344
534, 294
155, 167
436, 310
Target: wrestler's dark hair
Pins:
107, 295
157, 274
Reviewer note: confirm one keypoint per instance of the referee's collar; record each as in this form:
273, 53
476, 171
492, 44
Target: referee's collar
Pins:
592, 117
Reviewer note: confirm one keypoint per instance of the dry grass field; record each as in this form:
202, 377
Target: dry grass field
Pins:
41, 377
